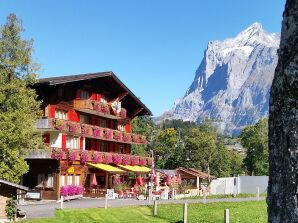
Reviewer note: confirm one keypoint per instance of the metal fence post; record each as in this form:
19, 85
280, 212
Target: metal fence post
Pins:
150, 195
227, 216
155, 208
106, 201
258, 193
185, 213
61, 202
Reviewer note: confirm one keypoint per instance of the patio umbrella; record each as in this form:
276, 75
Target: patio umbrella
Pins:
140, 181
94, 181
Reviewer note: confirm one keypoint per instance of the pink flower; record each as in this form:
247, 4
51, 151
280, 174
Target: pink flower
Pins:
134, 160
84, 157
71, 156
64, 191
136, 138
125, 160
108, 134
108, 158
126, 137
117, 135
57, 154
96, 157
143, 161
123, 113
96, 132
117, 159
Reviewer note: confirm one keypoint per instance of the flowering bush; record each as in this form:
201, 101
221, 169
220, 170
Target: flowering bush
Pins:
134, 160
57, 154
71, 156
97, 132
60, 125
97, 106
84, 157
108, 158
87, 129
136, 138
125, 160
96, 157
143, 161
74, 127
105, 108
117, 159
126, 137
123, 113
117, 135
71, 190
108, 134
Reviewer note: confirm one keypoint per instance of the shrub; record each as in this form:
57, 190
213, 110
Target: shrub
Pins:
57, 154
11, 208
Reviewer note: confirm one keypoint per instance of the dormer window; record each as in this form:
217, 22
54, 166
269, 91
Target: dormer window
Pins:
84, 94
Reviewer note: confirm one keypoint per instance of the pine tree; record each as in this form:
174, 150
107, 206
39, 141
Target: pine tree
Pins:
18, 105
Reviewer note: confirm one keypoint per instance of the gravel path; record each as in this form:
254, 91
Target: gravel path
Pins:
47, 209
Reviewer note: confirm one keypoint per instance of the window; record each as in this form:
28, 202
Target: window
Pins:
62, 180
77, 180
103, 147
122, 149
121, 128
103, 123
72, 142
69, 179
60, 114
84, 94
40, 179
50, 181
84, 119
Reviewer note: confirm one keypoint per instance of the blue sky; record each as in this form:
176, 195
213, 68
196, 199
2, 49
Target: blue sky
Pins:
153, 46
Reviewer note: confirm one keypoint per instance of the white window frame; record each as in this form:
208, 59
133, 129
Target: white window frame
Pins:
62, 179
60, 114
77, 180
69, 179
121, 128
72, 142
50, 181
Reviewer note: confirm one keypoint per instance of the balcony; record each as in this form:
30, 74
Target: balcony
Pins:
84, 156
98, 108
89, 131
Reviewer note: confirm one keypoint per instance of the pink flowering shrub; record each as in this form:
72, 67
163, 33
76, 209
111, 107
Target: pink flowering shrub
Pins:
108, 158
87, 129
71, 190
143, 161
126, 137
74, 127
60, 125
96, 157
64, 191
134, 160
117, 135
105, 108
97, 132
125, 160
84, 157
108, 134
123, 113
117, 159
136, 138
97, 106
57, 154
71, 156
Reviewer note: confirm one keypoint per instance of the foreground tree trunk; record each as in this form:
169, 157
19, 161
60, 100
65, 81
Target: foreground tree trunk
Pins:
283, 124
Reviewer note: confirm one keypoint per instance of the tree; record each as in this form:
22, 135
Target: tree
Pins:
283, 124
18, 105
255, 140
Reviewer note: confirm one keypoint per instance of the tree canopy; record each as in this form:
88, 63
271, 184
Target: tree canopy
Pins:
18, 106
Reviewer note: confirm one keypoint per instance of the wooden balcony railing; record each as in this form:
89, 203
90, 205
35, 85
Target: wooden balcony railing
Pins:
84, 156
99, 108
90, 131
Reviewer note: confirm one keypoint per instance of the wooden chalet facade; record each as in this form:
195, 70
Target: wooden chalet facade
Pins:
86, 128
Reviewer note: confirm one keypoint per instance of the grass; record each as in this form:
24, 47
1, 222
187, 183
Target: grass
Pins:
225, 196
250, 212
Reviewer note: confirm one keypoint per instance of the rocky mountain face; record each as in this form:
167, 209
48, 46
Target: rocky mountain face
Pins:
232, 83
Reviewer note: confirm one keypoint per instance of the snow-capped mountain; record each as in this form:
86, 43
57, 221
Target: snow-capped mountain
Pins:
232, 83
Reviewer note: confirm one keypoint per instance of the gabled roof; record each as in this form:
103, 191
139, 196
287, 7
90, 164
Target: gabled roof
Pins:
81, 77
17, 186
194, 172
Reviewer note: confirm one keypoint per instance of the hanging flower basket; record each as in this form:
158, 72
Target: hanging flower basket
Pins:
134, 160
74, 127
71, 156
136, 138
97, 106
96, 157
143, 161
108, 133
105, 108
108, 158
125, 160
117, 159
87, 129
84, 157
97, 132
60, 125
117, 135
123, 113
126, 137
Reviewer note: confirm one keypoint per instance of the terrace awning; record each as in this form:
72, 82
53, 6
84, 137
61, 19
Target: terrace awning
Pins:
107, 168
136, 169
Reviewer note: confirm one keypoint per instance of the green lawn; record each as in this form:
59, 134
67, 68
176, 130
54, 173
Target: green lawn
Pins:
243, 212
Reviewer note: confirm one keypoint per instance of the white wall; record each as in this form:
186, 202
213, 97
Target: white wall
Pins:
242, 184
56, 140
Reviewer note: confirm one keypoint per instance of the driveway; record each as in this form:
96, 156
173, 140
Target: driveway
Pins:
47, 209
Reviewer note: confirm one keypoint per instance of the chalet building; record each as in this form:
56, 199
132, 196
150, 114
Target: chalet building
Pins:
86, 128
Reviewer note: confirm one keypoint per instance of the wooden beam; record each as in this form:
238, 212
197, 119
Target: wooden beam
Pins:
123, 95
137, 112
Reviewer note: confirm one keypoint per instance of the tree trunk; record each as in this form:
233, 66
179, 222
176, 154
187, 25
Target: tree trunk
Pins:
283, 124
